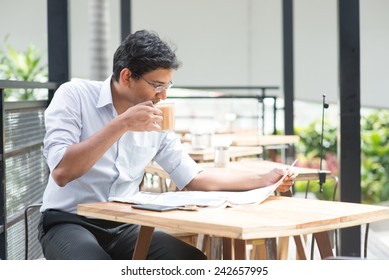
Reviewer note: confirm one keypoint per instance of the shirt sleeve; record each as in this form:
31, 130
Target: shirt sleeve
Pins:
173, 158
62, 123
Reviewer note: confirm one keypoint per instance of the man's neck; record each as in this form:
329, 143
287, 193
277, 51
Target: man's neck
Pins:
119, 100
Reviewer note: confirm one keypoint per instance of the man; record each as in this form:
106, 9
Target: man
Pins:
99, 138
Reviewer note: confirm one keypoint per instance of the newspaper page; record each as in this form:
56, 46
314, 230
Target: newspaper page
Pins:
190, 199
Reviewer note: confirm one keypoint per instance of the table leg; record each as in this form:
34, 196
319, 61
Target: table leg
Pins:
240, 249
324, 244
203, 243
163, 185
299, 240
273, 155
227, 248
258, 251
143, 243
216, 245
271, 248
283, 248
200, 243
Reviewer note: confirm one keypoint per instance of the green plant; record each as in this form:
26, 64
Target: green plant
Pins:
375, 156
310, 138
21, 66
308, 154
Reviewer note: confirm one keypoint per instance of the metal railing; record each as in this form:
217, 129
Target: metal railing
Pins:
259, 93
24, 171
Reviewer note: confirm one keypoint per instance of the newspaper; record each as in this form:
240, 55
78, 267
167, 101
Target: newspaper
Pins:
203, 199
200, 199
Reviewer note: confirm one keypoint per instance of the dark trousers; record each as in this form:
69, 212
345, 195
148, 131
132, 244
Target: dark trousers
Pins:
66, 236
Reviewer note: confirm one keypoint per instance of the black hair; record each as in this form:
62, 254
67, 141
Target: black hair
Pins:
142, 52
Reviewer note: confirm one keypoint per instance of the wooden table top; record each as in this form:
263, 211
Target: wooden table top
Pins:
252, 139
208, 154
275, 217
261, 140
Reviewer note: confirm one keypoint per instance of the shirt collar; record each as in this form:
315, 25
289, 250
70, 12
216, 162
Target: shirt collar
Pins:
105, 96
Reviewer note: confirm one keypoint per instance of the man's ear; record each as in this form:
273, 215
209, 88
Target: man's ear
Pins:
125, 76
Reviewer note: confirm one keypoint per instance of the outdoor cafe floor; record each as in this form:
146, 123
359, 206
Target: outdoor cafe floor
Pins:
378, 241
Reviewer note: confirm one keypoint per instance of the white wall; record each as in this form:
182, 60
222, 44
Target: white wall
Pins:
25, 22
230, 42
316, 49
221, 42
375, 53
80, 36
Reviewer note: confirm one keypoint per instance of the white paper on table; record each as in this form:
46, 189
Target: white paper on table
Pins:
188, 199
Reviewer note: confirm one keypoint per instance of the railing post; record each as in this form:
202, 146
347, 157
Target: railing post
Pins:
58, 42
2, 181
125, 18
349, 136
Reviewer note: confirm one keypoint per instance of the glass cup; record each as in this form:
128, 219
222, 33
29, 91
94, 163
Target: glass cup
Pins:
201, 141
167, 109
222, 151
222, 156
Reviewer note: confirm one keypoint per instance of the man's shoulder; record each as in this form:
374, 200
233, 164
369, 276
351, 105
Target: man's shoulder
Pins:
81, 88
82, 84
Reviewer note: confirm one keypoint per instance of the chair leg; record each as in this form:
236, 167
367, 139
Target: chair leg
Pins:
26, 229
365, 241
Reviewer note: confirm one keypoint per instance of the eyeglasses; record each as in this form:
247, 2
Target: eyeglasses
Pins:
157, 88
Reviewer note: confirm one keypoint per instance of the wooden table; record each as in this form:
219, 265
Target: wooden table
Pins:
261, 166
235, 152
275, 217
268, 142
252, 139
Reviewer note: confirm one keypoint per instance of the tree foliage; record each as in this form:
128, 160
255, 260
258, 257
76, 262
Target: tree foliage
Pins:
21, 66
374, 155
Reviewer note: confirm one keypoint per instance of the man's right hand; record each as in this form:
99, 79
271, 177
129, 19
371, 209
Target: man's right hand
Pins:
142, 117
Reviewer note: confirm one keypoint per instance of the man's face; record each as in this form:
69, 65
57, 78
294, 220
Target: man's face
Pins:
151, 86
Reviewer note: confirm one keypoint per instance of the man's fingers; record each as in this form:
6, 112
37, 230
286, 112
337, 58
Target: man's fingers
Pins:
157, 119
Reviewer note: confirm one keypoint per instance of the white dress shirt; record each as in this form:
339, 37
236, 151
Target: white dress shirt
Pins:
78, 110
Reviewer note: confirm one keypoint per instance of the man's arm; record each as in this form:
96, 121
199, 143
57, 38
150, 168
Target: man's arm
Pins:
80, 157
217, 179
